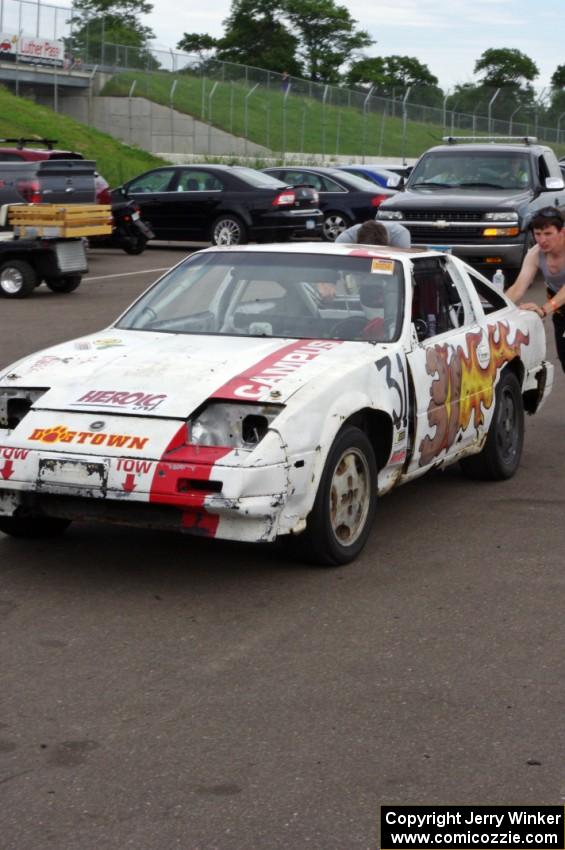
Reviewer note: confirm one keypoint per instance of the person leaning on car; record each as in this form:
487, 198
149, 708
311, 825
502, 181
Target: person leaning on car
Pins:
369, 233
548, 257
398, 236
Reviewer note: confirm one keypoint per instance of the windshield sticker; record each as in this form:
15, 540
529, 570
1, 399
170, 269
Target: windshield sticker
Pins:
379, 266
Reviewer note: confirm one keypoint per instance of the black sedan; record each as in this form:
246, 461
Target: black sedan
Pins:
225, 205
345, 199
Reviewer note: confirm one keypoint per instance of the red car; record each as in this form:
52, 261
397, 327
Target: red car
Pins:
20, 151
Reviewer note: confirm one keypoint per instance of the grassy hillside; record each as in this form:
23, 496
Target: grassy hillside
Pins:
116, 161
309, 127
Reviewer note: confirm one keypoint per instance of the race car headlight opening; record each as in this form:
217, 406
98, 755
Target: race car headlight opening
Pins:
241, 426
15, 404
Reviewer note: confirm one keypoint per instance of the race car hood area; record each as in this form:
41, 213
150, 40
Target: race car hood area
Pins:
166, 376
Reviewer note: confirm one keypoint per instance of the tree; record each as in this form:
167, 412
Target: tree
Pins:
327, 35
100, 25
392, 75
506, 66
558, 77
194, 42
255, 35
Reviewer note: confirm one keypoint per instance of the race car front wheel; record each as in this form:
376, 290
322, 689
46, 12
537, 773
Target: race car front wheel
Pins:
501, 454
344, 510
32, 528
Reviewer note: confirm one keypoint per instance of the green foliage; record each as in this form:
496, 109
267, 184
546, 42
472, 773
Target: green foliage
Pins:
505, 66
327, 35
116, 161
558, 77
391, 75
255, 36
194, 42
97, 23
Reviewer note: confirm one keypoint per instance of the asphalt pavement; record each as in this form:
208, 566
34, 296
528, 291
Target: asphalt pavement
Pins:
160, 691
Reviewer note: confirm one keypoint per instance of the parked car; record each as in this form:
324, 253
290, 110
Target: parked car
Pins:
54, 181
477, 199
21, 151
345, 199
222, 204
374, 173
232, 400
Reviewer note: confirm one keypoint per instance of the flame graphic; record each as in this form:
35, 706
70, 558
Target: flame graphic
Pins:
463, 388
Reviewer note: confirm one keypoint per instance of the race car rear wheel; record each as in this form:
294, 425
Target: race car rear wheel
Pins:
67, 283
344, 510
17, 279
501, 454
33, 528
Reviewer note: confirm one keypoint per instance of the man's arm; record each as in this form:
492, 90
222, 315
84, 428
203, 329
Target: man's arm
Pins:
529, 269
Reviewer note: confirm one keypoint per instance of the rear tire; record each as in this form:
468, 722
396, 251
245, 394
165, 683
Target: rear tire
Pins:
17, 279
135, 245
67, 283
344, 510
228, 230
334, 225
500, 457
33, 528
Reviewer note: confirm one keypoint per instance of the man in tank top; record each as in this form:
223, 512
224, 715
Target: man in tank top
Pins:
548, 257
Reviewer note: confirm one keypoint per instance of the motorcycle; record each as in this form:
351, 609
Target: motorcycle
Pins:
129, 232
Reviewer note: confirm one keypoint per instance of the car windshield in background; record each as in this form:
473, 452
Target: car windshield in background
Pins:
257, 178
456, 169
297, 296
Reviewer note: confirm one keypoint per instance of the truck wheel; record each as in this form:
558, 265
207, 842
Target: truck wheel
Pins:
17, 279
500, 456
344, 510
33, 528
67, 283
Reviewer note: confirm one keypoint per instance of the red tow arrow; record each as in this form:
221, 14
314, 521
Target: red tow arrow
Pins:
7, 470
129, 483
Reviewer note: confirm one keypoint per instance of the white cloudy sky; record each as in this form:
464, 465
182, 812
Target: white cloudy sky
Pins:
446, 35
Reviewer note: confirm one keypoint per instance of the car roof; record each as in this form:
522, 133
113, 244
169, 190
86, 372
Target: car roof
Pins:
340, 249
487, 147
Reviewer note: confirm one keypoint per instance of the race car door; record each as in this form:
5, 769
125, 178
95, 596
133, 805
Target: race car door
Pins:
445, 330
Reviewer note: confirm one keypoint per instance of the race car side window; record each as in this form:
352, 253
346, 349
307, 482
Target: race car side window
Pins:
438, 305
489, 297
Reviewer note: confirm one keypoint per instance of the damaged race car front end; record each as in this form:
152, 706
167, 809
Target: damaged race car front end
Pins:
223, 466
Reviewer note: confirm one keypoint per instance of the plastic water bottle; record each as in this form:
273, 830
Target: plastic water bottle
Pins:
498, 280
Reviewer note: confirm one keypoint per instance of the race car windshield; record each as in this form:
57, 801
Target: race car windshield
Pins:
297, 296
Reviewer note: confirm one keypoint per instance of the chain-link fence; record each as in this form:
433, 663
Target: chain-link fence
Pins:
279, 113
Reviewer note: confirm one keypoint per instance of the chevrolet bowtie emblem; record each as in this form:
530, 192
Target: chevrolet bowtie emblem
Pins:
442, 223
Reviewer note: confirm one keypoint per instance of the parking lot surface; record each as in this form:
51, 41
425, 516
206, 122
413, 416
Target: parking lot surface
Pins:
162, 692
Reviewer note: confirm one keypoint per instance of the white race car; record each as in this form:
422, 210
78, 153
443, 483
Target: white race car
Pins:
269, 390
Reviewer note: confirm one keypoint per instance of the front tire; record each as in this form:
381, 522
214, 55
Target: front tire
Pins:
33, 528
228, 230
17, 279
344, 510
334, 225
500, 457
67, 283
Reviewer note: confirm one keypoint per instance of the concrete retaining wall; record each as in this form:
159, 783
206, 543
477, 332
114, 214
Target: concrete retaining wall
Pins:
156, 128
